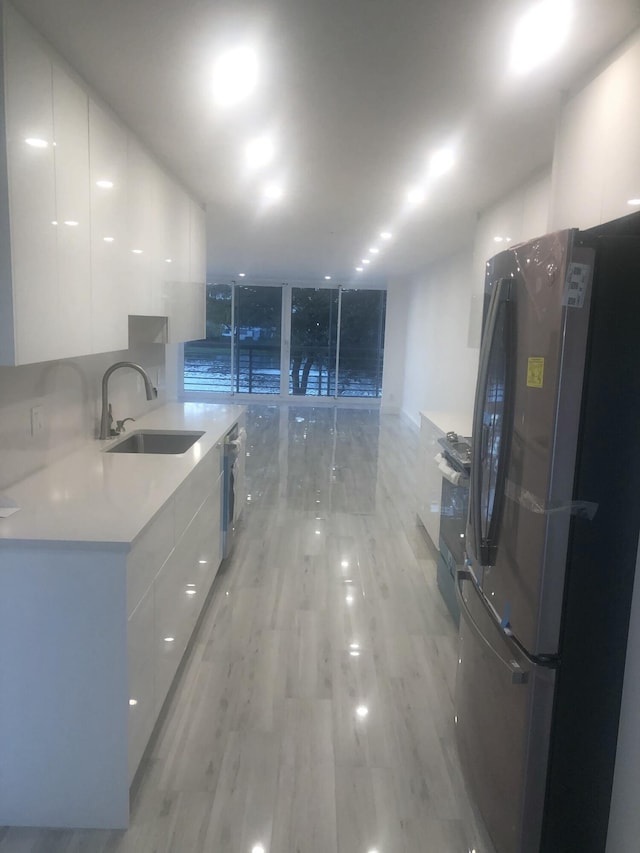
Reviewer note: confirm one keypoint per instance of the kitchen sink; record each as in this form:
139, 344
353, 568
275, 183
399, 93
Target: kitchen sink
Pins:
156, 441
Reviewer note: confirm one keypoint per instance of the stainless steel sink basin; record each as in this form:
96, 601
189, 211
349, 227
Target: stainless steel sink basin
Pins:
156, 441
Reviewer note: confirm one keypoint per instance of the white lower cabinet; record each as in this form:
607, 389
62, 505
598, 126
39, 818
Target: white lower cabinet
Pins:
142, 707
170, 570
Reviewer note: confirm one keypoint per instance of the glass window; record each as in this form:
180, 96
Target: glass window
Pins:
362, 319
258, 317
335, 347
314, 334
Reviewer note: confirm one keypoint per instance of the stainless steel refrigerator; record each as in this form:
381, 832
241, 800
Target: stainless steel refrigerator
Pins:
552, 537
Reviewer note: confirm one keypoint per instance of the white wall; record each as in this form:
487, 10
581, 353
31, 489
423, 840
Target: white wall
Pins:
394, 347
596, 167
69, 393
439, 368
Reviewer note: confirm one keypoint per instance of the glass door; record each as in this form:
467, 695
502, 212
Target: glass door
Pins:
256, 342
362, 317
492, 424
314, 336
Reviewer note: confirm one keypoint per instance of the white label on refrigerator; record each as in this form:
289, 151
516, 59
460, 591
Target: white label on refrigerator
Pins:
575, 286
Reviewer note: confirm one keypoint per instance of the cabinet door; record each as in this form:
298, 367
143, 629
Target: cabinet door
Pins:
139, 240
108, 186
142, 706
197, 243
71, 157
31, 178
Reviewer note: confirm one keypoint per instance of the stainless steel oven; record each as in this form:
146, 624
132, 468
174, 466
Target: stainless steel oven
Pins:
455, 464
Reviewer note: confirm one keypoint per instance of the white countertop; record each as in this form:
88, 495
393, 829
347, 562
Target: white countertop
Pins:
94, 497
450, 421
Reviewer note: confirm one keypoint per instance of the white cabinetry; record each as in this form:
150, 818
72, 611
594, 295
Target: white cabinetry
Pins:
71, 156
29, 277
108, 186
64, 289
429, 479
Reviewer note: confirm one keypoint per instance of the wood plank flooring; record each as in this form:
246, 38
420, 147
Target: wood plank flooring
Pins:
314, 713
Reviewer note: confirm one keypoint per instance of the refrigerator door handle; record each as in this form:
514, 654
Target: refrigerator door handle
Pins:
518, 674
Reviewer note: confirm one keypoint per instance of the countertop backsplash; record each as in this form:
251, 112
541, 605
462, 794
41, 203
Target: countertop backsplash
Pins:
68, 393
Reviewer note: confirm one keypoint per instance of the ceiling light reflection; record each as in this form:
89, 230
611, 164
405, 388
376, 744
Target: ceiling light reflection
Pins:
35, 142
386, 235
362, 711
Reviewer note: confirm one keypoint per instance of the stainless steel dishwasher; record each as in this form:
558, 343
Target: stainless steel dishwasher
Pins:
233, 450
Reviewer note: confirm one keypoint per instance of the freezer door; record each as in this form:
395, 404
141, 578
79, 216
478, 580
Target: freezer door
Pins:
503, 720
522, 566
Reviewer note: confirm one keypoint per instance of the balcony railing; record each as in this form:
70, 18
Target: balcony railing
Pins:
207, 367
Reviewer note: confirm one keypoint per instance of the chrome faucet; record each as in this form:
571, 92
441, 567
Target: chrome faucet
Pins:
107, 418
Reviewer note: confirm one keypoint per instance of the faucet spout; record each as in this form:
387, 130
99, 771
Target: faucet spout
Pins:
106, 417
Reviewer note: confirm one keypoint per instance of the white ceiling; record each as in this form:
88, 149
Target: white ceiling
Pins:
358, 91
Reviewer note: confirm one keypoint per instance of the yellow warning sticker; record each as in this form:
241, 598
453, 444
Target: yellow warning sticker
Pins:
535, 372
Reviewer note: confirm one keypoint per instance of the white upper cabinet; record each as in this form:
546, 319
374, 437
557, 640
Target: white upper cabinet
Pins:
29, 263
71, 158
197, 244
108, 189
91, 228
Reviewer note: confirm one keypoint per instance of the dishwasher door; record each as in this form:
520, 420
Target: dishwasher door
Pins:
233, 483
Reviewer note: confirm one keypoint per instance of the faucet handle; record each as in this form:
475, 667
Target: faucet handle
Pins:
120, 424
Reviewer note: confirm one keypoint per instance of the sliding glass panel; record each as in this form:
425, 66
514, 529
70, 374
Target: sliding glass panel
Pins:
361, 343
207, 363
314, 333
257, 340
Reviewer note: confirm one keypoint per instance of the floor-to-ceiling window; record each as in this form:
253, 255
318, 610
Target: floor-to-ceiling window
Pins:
289, 341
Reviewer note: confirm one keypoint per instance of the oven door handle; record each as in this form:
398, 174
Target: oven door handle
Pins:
518, 674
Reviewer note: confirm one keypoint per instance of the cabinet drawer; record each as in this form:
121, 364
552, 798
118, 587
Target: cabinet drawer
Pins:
142, 707
193, 492
149, 552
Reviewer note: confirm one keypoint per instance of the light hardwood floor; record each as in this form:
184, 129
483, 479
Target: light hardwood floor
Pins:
327, 605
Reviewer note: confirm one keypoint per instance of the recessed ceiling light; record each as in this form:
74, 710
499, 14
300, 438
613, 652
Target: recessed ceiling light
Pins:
235, 76
34, 142
386, 235
634, 202
259, 151
373, 250
365, 261
241, 274
105, 185
498, 239
440, 162
133, 702
169, 639
415, 195
540, 33
327, 278
359, 269
362, 711
273, 191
